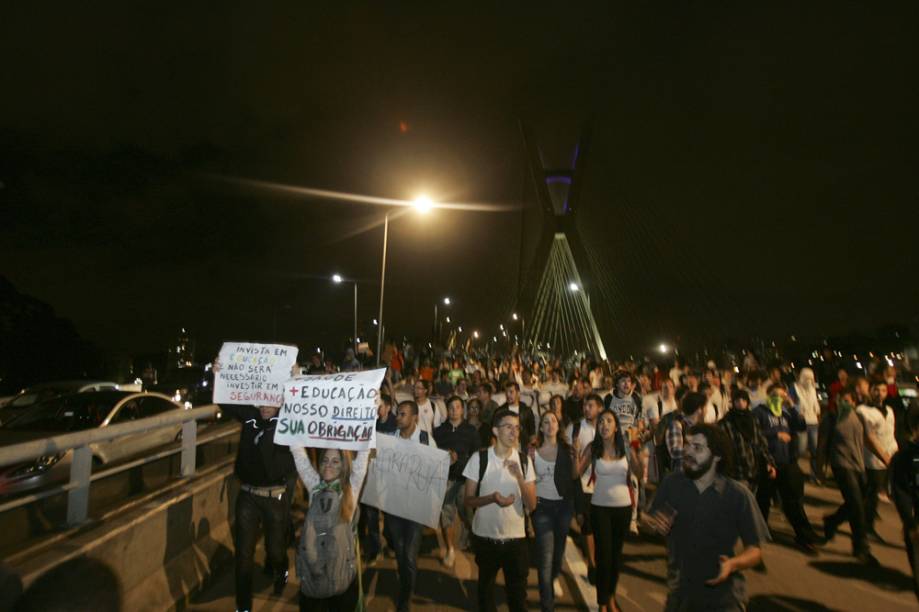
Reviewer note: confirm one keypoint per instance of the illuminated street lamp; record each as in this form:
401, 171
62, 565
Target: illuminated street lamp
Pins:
423, 204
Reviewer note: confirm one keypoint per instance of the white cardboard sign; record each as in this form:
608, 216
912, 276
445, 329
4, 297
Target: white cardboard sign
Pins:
253, 373
407, 479
330, 410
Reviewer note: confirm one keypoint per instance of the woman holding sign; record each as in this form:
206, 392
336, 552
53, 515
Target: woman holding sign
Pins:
326, 557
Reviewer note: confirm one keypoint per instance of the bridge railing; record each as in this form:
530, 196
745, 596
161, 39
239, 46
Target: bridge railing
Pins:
81, 465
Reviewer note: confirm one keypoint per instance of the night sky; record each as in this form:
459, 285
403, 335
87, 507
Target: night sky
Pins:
752, 170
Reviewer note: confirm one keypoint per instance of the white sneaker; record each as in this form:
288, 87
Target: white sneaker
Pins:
449, 558
557, 587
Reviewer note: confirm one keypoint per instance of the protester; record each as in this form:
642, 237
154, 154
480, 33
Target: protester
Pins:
527, 417
904, 478
554, 462
326, 557
557, 407
749, 446
842, 441
878, 419
404, 535
488, 405
627, 406
690, 413
779, 423
582, 434
429, 414
612, 467
703, 513
804, 395
461, 440
500, 481
266, 475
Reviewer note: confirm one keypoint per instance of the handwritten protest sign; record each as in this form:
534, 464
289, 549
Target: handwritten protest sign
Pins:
407, 479
330, 410
252, 373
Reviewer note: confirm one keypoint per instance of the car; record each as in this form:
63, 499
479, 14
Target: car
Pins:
80, 412
190, 386
16, 404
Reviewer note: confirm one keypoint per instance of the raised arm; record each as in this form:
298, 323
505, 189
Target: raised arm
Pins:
304, 468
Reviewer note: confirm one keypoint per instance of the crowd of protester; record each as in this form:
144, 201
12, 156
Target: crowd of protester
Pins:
540, 448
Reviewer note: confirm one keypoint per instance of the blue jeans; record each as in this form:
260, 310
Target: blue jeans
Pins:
405, 538
807, 440
551, 520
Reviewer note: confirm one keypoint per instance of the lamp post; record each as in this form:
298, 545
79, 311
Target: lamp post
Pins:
337, 279
423, 205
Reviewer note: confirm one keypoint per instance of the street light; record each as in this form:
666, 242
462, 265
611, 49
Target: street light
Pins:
339, 279
663, 348
573, 286
423, 204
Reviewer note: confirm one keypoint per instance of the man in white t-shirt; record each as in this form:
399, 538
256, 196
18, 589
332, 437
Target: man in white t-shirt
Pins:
429, 414
498, 497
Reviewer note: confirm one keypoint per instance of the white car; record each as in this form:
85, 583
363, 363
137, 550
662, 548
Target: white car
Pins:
13, 406
78, 412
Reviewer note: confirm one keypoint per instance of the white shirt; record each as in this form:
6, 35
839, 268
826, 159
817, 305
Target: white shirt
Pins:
429, 416
585, 437
710, 414
416, 437
493, 521
883, 429
611, 487
556, 388
545, 478
649, 406
720, 401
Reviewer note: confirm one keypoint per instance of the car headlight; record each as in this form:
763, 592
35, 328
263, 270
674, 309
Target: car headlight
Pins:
39, 466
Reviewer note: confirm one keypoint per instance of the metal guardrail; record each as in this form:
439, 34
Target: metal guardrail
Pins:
81, 475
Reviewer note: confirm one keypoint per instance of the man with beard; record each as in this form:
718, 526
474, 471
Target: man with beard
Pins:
703, 513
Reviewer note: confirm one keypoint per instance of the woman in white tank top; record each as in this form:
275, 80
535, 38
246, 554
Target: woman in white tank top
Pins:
611, 463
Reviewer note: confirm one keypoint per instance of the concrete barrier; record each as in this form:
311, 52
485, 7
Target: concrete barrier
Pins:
160, 551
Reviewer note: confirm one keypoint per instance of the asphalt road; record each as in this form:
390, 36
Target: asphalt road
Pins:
791, 582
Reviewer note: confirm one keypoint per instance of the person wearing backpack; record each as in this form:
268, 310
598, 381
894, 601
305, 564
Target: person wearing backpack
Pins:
326, 557
500, 483
403, 534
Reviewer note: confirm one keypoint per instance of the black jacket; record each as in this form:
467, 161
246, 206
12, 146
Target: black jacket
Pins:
564, 473
259, 461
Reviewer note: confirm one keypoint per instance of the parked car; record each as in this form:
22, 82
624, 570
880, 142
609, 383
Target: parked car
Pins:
78, 412
191, 386
15, 405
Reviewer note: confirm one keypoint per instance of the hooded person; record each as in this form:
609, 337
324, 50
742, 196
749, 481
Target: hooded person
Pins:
804, 396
